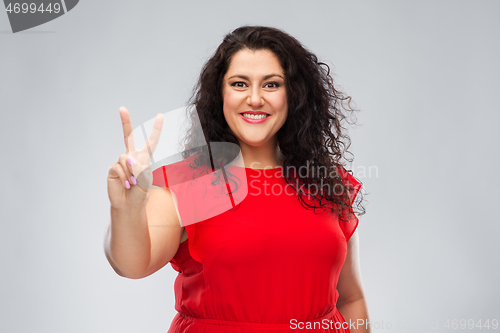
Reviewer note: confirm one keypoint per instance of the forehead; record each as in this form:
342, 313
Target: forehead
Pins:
254, 63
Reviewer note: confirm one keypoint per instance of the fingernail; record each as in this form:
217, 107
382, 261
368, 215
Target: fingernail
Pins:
132, 179
127, 184
130, 161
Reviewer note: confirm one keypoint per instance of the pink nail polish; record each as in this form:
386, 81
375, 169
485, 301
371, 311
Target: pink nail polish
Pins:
132, 179
130, 161
127, 184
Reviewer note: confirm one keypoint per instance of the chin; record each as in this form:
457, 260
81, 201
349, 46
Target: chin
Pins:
254, 143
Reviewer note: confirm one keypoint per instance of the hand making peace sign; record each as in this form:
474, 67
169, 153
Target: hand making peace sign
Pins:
130, 179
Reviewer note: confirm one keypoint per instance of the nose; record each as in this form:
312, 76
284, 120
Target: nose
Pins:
255, 98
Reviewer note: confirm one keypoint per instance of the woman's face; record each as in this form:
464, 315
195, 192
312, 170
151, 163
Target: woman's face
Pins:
255, 84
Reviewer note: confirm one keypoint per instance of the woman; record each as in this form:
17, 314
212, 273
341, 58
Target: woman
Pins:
283, 259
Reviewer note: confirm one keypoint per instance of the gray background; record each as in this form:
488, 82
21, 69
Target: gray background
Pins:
424, 73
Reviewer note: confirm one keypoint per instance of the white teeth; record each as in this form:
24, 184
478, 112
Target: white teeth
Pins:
254, 116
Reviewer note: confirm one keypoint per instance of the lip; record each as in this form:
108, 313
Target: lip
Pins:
254, 121
254, 112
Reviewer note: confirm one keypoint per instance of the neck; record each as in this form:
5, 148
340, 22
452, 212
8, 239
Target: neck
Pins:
261, 157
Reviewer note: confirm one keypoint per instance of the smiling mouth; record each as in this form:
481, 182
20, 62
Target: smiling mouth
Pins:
255, 116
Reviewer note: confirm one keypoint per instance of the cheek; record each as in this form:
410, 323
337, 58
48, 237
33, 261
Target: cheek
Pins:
281, 104
229, 107
230, 101
284, 108
226, 105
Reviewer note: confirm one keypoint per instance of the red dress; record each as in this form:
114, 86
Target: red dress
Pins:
268, 266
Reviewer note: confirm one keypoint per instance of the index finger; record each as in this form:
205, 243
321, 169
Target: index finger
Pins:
127, 129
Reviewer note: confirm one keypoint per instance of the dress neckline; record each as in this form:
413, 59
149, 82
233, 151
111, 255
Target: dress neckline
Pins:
278, 172
237, 166
264, 172
265, 168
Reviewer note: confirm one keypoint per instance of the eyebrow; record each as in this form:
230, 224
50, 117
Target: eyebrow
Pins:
248, 79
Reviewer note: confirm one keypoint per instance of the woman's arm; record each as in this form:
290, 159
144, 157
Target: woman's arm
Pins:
351, 302
139, 242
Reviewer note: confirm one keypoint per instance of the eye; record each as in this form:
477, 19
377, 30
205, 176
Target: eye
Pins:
238, 84
272, 85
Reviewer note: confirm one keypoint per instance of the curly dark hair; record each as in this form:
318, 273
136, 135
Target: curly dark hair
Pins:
313, 135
